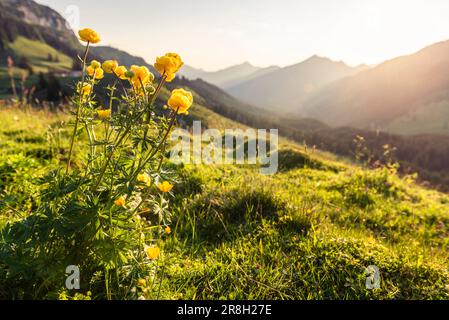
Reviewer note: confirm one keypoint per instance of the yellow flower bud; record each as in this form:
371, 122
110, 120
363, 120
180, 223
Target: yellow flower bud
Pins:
153, 252
104, 114
121, 72
109, 66
120, 202
98, 72
180, 100
95, 64
144, 178
84, 89
167, 230
165, 186
141, 282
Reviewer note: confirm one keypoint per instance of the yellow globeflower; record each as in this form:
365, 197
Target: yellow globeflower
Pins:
141, 282
120, 202
89, 35
95, 64
120, 72
153, 252
167, 230
169, 65
144, 178
109, 66
104, 114
169, 77
165, 186
98, 72
84, 89
141, 75
180, 100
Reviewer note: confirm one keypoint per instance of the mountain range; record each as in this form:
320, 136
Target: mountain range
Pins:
407, 95
282, 90
229, 77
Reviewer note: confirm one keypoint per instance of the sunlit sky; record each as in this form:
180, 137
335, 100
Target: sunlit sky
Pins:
214, 34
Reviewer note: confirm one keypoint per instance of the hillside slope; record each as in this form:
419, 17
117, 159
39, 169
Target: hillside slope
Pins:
33, 21
307, 232
407, 95
428, 155
108, 53
37, 33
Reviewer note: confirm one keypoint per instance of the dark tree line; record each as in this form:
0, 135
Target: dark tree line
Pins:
50, 89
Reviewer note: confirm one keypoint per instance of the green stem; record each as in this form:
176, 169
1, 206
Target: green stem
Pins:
108, 159
106, 277
160, 283
121, 84
155, 150
144, 91
150, 105
154, 96
91, 141
78, 111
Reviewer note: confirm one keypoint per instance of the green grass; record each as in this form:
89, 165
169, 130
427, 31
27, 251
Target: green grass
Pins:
37, 53
307, 232
300, 235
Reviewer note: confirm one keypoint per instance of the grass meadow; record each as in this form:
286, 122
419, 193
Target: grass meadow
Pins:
307, 232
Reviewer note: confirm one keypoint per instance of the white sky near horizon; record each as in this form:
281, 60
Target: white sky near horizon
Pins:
214, 34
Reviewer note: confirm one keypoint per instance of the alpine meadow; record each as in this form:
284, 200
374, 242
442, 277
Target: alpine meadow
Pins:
128, 178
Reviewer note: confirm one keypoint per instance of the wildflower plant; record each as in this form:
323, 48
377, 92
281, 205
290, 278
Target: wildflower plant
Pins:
93, 207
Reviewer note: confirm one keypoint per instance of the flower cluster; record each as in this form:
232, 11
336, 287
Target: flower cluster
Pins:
127, 141
140, 79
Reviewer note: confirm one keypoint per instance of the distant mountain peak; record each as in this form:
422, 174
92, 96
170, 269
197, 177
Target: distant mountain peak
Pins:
227, 77
244, 67
247, 64
316, 57
319, 59
286, 87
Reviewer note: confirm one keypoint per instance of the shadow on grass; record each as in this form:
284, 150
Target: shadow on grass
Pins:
225, 216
